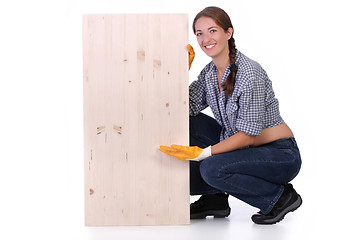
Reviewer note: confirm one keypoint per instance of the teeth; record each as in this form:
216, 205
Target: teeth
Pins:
210, 46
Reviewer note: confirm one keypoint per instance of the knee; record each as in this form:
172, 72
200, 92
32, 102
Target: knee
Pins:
196, 121
204, 131
209, 171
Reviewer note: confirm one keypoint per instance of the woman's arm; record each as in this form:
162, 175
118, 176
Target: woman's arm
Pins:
236, 141
197, 95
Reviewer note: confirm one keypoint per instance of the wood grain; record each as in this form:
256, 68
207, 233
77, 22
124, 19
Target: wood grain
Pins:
135, 99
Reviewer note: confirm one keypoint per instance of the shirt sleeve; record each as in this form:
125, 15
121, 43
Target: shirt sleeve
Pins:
251, 102
197, 95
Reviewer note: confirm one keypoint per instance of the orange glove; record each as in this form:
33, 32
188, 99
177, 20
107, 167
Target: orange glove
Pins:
187, 153
191, 54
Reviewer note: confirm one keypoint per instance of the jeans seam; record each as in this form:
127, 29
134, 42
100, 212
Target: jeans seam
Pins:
201, 138
271, 203
229, 183
274, 201
206, 192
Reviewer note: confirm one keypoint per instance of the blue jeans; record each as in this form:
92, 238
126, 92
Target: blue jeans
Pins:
255, 175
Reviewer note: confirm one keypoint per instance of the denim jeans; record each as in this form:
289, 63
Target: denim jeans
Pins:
255, 175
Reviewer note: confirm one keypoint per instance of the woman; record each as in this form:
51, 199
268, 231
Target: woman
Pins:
248, 151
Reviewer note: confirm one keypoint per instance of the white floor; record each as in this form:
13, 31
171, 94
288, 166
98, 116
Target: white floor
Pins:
237, 226
301, 224
49, 220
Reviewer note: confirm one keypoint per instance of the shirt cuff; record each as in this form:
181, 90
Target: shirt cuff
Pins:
250, 128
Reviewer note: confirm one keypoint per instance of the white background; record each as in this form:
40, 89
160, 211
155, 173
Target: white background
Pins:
309, 48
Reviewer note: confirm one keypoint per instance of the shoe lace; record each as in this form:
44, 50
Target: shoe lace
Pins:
197, 204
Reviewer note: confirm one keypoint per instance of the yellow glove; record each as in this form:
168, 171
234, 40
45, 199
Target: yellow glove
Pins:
187, 153
191, 54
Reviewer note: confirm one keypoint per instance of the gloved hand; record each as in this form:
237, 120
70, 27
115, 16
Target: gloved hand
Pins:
191, 54
187, 153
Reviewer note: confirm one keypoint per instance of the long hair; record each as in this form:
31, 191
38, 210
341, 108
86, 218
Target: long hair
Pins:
222, 19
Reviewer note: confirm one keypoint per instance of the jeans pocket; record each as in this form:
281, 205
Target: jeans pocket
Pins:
285, 149
286, 145
289, 152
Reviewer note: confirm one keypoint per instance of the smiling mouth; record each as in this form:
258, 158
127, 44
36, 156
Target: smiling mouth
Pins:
210, 46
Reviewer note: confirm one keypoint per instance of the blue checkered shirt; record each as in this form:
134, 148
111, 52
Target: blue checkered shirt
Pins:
251, 107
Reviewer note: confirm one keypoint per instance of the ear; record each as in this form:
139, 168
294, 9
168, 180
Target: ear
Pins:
229, 32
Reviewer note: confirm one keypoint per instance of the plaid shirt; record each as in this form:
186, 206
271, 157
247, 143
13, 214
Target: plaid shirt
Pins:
252, 106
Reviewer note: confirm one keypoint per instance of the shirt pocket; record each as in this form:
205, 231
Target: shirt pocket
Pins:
232, 108
232, 114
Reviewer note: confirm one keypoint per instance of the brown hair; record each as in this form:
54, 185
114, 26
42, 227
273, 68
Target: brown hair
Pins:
222, 19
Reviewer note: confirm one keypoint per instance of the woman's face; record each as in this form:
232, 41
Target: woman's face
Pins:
212, 39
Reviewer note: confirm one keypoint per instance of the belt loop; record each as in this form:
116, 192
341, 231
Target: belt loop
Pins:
293, 141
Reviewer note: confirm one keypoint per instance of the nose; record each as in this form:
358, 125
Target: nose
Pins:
206, 38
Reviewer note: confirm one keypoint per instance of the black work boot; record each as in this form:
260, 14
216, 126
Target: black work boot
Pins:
216, 205
289, 201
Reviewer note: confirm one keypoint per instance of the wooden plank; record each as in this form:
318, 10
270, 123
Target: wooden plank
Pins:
135, 99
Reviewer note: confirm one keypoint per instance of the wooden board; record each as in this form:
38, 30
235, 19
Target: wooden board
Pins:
135, 99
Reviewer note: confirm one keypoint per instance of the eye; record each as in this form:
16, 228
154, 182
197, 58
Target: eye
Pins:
212, 30
198, 34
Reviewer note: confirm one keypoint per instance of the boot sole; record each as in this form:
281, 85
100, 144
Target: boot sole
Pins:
281, 216
214, 213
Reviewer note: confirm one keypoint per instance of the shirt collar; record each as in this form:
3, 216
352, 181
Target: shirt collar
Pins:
212, 66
